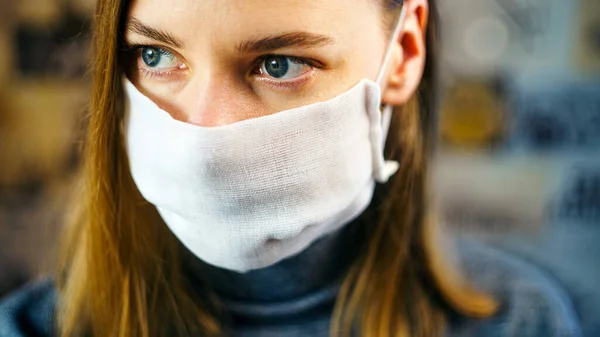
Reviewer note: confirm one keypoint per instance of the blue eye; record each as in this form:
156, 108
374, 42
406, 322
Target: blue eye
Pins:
284, 67
158, 58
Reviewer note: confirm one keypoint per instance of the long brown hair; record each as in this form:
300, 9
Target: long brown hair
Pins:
121, 268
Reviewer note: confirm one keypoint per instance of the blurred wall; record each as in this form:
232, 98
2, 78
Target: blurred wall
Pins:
520, 109
519, 161
43, 95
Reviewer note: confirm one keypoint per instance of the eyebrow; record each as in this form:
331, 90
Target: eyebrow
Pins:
294, 39
136, 26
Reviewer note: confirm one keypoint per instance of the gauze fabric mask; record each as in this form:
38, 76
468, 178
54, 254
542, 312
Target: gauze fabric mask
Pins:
246, 195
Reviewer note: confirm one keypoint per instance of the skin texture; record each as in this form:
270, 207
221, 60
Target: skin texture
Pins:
209, 81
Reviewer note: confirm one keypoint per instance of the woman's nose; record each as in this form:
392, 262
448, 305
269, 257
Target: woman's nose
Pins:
216, 102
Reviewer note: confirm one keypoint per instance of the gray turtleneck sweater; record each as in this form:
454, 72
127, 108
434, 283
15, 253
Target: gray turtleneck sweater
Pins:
295, 297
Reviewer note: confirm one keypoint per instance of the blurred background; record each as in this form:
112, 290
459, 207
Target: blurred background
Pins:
519, 155
519, 161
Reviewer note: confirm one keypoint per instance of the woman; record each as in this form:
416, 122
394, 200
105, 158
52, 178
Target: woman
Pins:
235, 184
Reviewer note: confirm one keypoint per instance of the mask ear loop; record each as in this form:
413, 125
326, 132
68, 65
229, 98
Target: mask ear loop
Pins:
390, 167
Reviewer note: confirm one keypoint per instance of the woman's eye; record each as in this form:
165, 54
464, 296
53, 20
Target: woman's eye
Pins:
158, 58
284, 67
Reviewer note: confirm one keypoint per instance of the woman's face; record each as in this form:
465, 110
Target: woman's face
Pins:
215, 62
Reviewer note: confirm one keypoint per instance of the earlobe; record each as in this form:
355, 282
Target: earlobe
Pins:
409, 60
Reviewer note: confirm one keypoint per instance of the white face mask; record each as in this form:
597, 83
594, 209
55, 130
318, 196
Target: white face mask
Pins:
247, 195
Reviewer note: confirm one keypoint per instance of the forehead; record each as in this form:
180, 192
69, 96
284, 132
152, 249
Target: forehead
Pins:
224, 20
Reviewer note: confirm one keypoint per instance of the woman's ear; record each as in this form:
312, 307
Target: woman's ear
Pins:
408, 61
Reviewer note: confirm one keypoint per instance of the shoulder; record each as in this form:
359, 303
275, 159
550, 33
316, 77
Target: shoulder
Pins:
29, 311
533, 303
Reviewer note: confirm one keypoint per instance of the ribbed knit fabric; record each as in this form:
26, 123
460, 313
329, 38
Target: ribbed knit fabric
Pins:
295, 297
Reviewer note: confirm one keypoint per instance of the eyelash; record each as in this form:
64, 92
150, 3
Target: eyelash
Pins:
135, 50
152, 74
